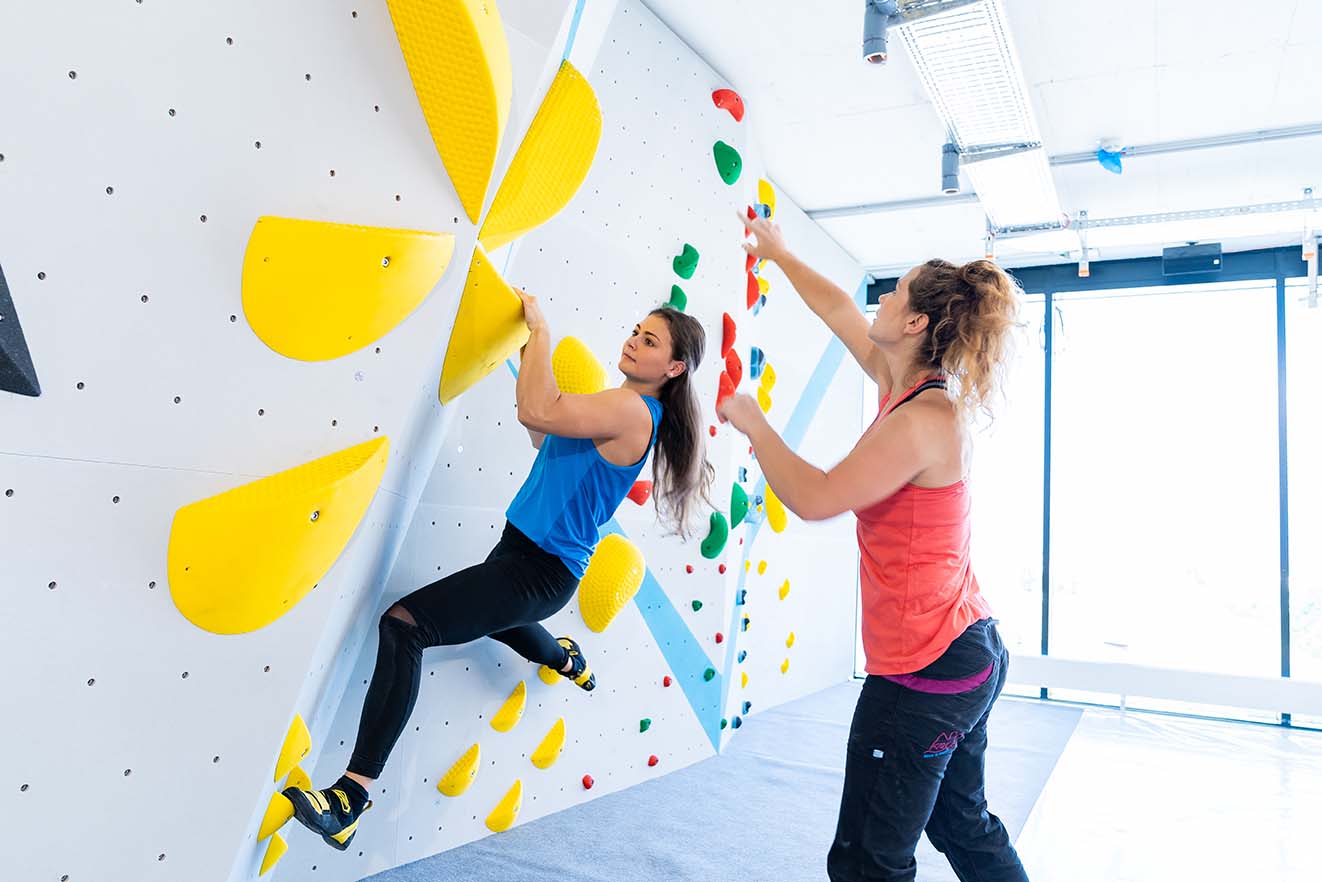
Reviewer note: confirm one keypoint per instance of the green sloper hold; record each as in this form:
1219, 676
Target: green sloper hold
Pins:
738, 505
697, 605
728, 162
678, 299
714, 544
686, 264
724, 722
644, 724
708, 674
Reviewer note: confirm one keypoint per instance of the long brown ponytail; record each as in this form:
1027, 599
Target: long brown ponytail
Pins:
681, 474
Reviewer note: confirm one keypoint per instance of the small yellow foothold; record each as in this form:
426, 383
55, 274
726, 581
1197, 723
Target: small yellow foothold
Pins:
462, 773
764, 400
763, 286
298, 741
549, 677
506, 812
777, 518
762, 568
512, 710
278, 812
766, 195
549, 750
744, 681
789, 641
298, 779
785, 589
748, 565
768, 378
785, 666
274, 851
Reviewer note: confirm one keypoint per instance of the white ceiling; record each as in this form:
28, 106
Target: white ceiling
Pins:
836, 131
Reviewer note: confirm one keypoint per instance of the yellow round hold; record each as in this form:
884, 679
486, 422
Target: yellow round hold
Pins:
777, 517
613, 577
576, 369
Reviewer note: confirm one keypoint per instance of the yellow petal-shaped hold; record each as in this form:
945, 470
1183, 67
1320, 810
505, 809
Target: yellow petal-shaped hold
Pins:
549, 750
298, 779
768, 380
766, 195
506, 812
278, 812
512, 710
552, 161
298, 741
743, 683
488, 329
763, 285
785, 589
785, 666
764, 399
548, 676
462, 773
459, 61
275, 850
576, 369
613, 577
240, 560
315, 291
762, 565
789, 641
777, 518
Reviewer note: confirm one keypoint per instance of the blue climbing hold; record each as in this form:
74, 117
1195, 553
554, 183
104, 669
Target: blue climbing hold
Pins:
748, 705
743, 654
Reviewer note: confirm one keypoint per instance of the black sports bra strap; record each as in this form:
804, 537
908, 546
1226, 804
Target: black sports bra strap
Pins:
935, 383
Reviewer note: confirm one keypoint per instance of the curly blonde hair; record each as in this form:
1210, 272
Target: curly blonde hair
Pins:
972, 311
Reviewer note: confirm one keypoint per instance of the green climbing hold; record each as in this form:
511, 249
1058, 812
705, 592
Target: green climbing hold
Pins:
728, 162
686, 264
644, 724
724, 722
714, 544
738, 505
697, 605
678, 299
708, 674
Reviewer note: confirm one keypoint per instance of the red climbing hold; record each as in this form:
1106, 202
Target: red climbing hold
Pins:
750, 263
666, 681
712, 430
720, 638
722, 566
754, 292
689, 569
641, 492
728, 332
734, 367
588, 782
652, 760
724, 391
728, 99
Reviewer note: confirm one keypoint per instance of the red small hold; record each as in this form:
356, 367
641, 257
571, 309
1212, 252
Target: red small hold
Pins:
588, 782
652, 760
666, 681
728, 332
750, 263
721, 568
754, 292
712, 430
641, 492
734, 367
752, 215
720, 638
689, 569
726, 390
728, 99
741, 540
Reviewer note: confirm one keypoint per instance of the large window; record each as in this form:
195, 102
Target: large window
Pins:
1303, 336
1164, 500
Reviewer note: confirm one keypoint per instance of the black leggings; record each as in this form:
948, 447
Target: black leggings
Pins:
504, 598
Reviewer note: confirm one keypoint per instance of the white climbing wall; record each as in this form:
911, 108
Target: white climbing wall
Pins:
138, 746
598, 267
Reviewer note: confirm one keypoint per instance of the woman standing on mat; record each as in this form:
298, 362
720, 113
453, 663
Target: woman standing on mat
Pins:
935, 661
590, 450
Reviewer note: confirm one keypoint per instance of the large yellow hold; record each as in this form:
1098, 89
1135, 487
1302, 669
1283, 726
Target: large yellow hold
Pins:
275, 850
613, 577
278, 812
512, 710
552, 161
459, 60
240, 560
488, 329
462, 773
506, 812
576, 369
777, 518
549, 750
766, 194
297, 743
316, 291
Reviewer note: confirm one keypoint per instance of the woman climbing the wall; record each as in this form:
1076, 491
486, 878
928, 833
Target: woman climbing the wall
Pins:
935, 661
590, 450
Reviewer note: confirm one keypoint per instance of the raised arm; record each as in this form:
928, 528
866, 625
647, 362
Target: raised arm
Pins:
826, 299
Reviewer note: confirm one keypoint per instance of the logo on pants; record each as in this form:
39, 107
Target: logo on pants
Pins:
945, 743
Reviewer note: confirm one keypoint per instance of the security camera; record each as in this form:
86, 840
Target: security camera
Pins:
877, 16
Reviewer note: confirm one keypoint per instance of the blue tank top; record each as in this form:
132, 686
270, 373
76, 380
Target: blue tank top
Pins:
571, 491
